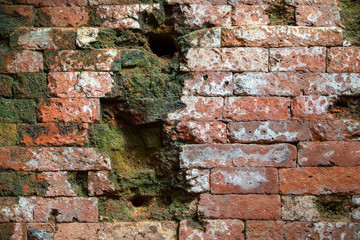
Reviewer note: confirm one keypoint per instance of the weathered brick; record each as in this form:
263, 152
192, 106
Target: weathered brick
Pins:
80, 84
198, 180
237, 155
264, 207
312, 2
69, 110
270, 131
40, 231
21, 62
99, 183
199, 108
56, 183
244, 180
94, 60
6, 86
209, 84
305, 107
312, 154
53, 134
268, 84
55, 3
43, 38
212, 229
341, 180
70, 231
63, 16
250, 15
332, 84
356, 200
226, 59
201, 15
9, 134
298, 59
123, 16
53, 159
334, 129
248, 2
281, 36
17, 110
355, 214
16, 209
201, 132
17, 184
299, 208
29, 85
67, 209
320, 15
343, 59
208, 37
256, 108
214, 2
301, 230
13, 231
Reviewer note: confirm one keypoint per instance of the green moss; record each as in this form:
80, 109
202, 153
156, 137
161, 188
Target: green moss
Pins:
6, 85
280, 13
7, 230
30, 85
8, 134
17, 110
350, 16
333, 207
10, 19
17, 184
78, 182
106, 39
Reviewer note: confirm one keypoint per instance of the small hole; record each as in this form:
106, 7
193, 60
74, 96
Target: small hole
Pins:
162, 45
139, 201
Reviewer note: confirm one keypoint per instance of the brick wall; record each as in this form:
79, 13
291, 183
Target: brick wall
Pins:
182, 119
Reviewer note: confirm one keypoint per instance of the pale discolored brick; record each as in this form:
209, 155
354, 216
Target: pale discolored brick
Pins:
270, 131
198, 180
298, 59
226, 59
69, 110
212, 229
80, 84
312, 154
56, 183
268, 84
206, 38
53, 159
356, 200
343, 59
264, 207
40, 231
318, 15
341, 180
99, 183
244, 180
21, 62
355, 214
299, 208
209, 84
281, 36
250, 15
199, 108
237, 155
305, 107
16, 209
312, 2
256, 108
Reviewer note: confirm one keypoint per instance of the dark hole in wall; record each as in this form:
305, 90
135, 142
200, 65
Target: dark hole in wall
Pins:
139, 200
162, 44
331, 206
346, 108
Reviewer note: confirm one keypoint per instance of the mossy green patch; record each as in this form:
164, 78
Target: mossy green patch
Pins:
8, 134
6, 85
30, 85
350, 17
17, 184
281, 13
17, 110
7, 230
333, 207
10, 19
78, 182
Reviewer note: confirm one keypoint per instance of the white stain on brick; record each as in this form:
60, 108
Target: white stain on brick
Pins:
85, 36
198, 180
37, 39
246, 179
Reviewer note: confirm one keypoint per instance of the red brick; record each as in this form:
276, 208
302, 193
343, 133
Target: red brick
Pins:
198, 180
281, 36
320, 15
71, 231
334, 129
244, 180
21, 62
40, 231
99, 183
201, 132
53, 159
65, 16
312, 154
248, 2
331, 84
298, 59
75, 60
226, 59
268, 84
344, 59
264, 207
56, 183
212, 229
80, 84
209, 84
55, 3
68, 209
69, 110
300, 230
270, 131
256, 108
199, 108
250, 15
16, 209
17, 231
213, 2
200, 15
44, 38
312, 2
305, 107
237, 155
53, 134
341, 180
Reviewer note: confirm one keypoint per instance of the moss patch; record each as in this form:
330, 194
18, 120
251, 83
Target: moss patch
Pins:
350, 17
17, 184
7, 230
17, 110
78, 182
8, 134
281, 13
333, 207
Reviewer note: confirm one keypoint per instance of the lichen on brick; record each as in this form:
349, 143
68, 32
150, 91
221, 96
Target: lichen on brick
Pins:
350, 11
